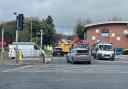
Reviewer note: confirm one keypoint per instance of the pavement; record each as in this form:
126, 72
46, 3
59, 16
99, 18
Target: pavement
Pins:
121, 57
34, 60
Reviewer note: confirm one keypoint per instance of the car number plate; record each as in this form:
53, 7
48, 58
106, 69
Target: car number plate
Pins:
107, 57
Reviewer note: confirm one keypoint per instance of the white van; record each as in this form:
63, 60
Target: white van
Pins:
29, 49
103, 51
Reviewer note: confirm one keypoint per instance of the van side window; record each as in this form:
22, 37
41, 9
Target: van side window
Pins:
36, 47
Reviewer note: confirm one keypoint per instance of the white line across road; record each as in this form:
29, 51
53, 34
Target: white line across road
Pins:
17, 68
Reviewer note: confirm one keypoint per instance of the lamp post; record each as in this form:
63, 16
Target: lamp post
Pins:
31, 29
41, 40
15, 13
2, 42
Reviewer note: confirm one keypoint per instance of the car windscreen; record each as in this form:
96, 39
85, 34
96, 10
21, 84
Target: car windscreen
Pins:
82, 51
57, 49
105, 47
81, 46
119, 50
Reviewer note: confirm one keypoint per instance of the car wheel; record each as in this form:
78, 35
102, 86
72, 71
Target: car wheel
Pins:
62, 54
73, 61
98, 58
67, 60
112, 59
89, 62
94, 56
53, 55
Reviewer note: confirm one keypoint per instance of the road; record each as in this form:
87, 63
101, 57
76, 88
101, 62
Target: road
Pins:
61, 75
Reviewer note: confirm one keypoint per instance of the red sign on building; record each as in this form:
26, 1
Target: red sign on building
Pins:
5, 43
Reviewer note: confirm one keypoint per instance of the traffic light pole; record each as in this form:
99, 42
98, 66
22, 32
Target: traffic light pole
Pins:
19, 26
16, 46
41, 41
16, 39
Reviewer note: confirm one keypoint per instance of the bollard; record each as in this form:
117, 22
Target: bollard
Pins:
20, 56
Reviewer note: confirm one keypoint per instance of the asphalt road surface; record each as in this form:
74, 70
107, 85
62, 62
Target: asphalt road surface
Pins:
61, 75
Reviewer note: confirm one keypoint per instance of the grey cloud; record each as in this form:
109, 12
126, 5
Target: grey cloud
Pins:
65, 11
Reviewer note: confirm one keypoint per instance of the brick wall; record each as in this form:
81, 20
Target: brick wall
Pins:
117, 29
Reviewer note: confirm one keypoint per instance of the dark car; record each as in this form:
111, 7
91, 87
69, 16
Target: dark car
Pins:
118, 51
57, 51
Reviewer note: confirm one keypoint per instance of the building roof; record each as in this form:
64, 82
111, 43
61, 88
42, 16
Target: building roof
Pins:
109, 22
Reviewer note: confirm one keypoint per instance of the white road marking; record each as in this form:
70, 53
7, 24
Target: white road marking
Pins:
99, 72
77, 69
17, 68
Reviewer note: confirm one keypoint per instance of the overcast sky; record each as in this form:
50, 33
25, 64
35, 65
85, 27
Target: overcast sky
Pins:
65, 12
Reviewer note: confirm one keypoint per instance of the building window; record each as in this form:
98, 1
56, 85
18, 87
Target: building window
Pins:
97, 30
118, 38
125, 31
93, 37
113, 35
105, 32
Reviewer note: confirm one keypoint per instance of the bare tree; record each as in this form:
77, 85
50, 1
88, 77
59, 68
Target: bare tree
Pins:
115, 18
80, 27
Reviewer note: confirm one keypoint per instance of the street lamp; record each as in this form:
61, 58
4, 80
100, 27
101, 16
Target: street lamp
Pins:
41, 43
15, 13
31, 29
41, 40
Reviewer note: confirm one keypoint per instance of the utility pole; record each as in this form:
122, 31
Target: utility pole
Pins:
41, 40
2, 43
31, 29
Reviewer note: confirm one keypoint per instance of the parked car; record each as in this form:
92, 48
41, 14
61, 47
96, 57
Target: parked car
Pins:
118, 51
125, 52
79, 54
57, 51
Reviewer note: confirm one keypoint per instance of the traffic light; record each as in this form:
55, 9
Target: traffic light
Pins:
20, 19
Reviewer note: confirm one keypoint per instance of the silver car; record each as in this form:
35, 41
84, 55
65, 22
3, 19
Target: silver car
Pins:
79, 55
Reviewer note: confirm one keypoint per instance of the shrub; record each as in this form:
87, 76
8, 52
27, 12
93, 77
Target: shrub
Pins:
125, 52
